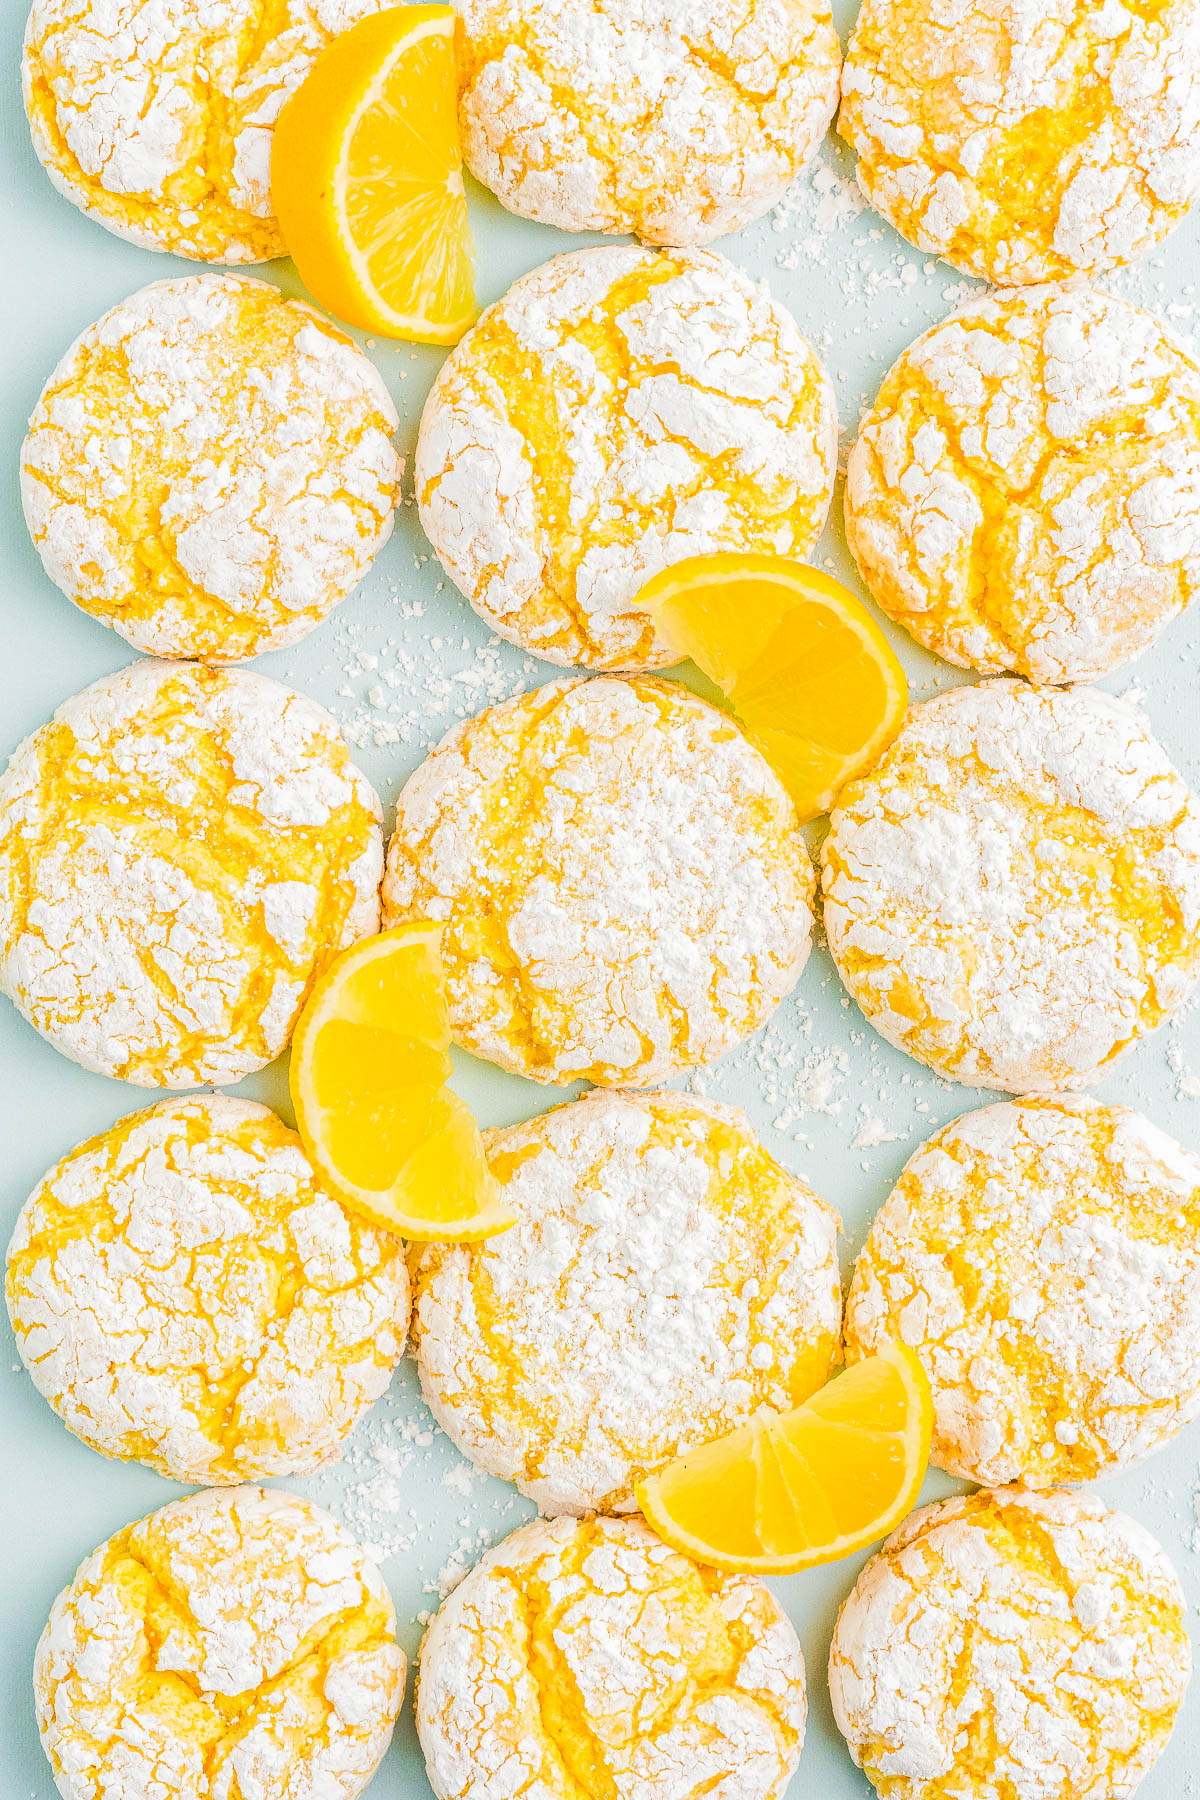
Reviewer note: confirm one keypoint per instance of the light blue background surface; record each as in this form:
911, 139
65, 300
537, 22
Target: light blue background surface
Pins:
815, 1082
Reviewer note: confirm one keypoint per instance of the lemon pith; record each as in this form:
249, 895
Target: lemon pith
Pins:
801, 661
366, 179
370, 1063
791, 1490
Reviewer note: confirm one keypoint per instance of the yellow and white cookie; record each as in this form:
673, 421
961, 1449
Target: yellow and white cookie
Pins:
210, 468
156, 117
664, 1279
675, 120
1011, 1646
621, 884
1042, 1258
1025, 493
1012, 894
617, 411
182, 851
184, 1293
585, 1657
1024, 141
238, 1642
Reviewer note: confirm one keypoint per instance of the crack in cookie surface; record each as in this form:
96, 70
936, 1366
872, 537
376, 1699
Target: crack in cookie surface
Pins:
1042, 1257
1013, 894
621, 884
585, 1658
671, 119
664, 1279
185, 1294
1025, 493
210, 468
617, 411
183, 849
1027, 140
1011, 1646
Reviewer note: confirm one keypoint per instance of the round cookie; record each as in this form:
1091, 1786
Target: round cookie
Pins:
182, 851
1012, 894
617, 411
1025, 493
184, 1293
674, 120
1026, 142
618, 873
237, 1642
1042, 1257
210, 468
156, 117
586, 1657
665, 1278
1011, 1646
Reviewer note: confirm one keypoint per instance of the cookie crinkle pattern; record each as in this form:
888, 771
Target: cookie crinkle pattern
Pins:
1012, 895
1027, 140
182, 850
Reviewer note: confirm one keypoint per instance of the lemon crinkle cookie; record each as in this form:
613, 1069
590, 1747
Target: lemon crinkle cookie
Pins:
182, 850
621, 884
1023, 141
675, 120
617, 411
664, 1279
1011, 1646
183, 1292
1025, 493
1042, 1257
156, 117
236, 1643
1012, 895
585, 1657
210, 468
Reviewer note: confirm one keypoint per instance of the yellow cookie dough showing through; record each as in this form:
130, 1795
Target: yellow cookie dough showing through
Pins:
1027, 140
617, 411
236, 1643
621, 885
1012, 894
1042, 1258
582, 1658
665, 1278
676, 120
156, 117
1011, 1646
184, 1293
182, 851
1025, 493
210, 468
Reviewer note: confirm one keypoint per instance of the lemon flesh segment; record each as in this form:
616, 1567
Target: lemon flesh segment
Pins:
800, 660
370, 1062
791, 1490
366, 179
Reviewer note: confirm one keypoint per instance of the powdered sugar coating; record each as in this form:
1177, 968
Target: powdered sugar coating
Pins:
183, 1292
210, 468
1013, 894
618, 873
1011, 1646
664, 1279
236, 1643
1042, 1257
617, 411
580, 1651
1027, 140
182, 851
1025, 493
671, 119
156, 117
